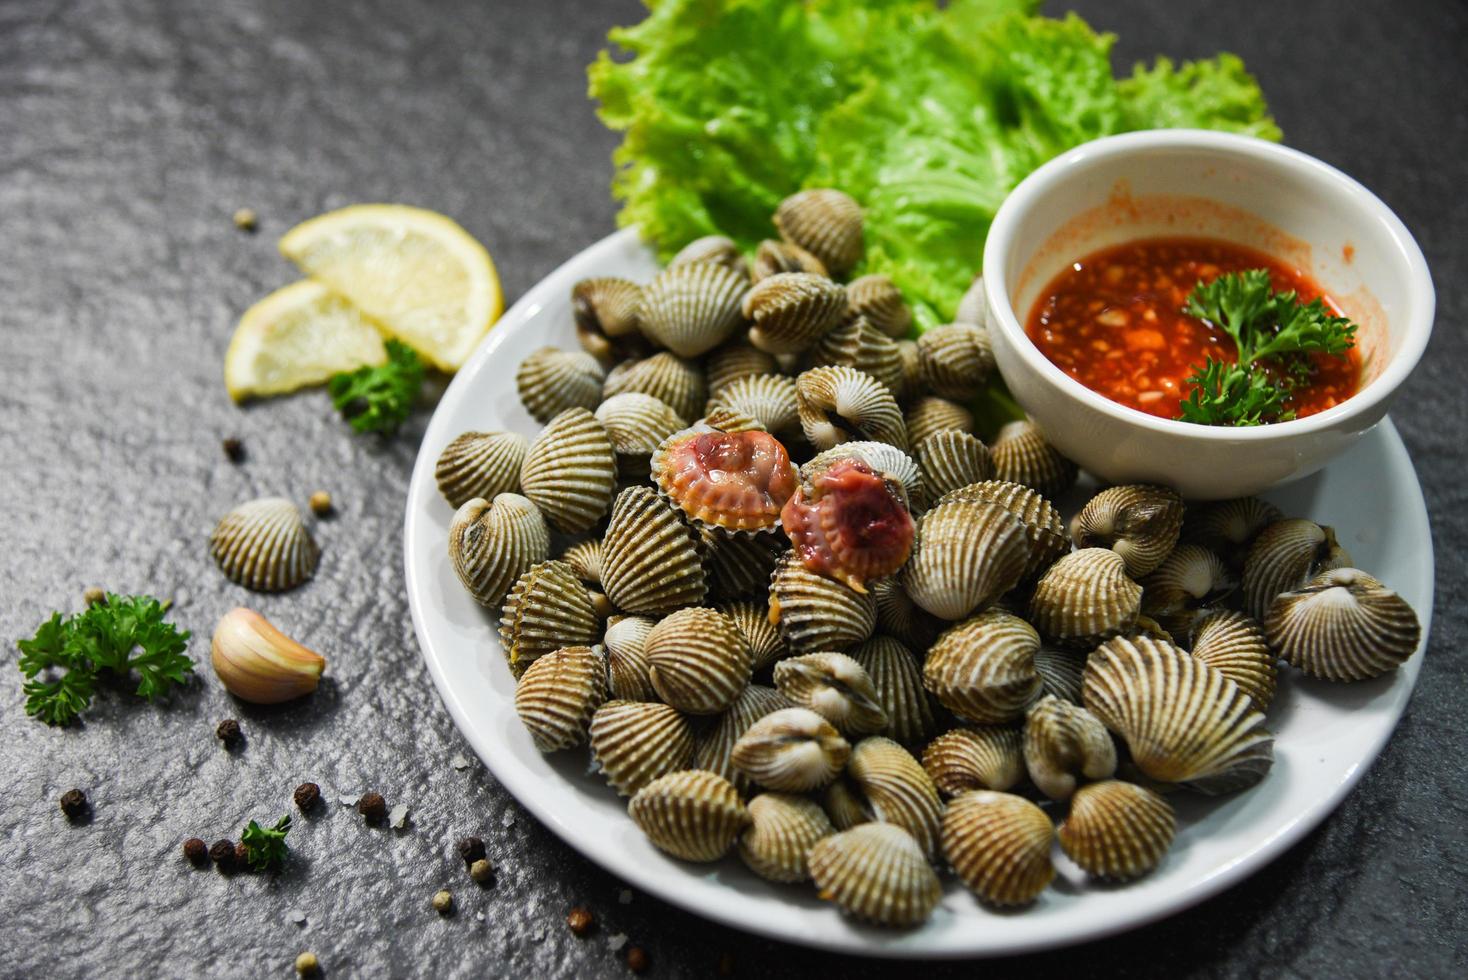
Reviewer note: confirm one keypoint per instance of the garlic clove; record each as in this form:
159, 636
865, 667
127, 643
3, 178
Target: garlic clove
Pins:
258, 663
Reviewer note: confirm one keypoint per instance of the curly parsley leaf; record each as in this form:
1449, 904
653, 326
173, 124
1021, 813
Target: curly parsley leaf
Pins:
1226, 394
265, 847
378, 399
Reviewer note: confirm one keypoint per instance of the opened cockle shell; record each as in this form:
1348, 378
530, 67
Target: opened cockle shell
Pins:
772, 257
769, 398
1228, 527
675, 382
736, 359
1139, 522
834, 686
975, 757
258, 663
892, 787
826, 223
740, 565
734, 481
952, 460
637, 424
1060, 673
792, 310
698, 662
783, 827
551, 380
719, 249
1343, 625
842, 404
1085, 597
1234, 644
856, 343
1116, 830
967, 553
1184, 721
793, 750
984, 668
605, 310
570, 471
480, 464
814, 612
1022, 455
635, 742
957, 360
558, 694
899, 617
974, 306
1000, 846
878, 299
264, 546
897, 678
629, 676
1286, 555
547, 608
1064, 741
1044, 529
911, 382
492, 545
883, 458
650, 556
876, 872
849, 522
752, 620
714, 747
693, 307
690, 814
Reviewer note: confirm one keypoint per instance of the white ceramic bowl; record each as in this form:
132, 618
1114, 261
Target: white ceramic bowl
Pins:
1214, 185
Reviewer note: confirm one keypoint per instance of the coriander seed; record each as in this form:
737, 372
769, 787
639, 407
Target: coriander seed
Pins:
307, 965
196, 851
443, 901
320, 503
246, 220
228, 731
222, 853
307, 795
74, 804
234, 450
481, 871
373, 807
94, 596
580, 920
637, 959
471, 849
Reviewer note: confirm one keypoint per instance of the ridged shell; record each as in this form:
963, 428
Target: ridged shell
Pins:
670, 379
1139, 522
1117, 831
1064, 741
690, 814
714, 747
793, 750
692, 308
635, 742
952, 460
911, 378
901, 618
773, 257
1184, 721
1229, 527
929, 414
740, 565
752, 620
551, 380
974, 306
637, 424
876, 872
605, 310
824, 222
492, 545
844, 806
558, 694
734, 480
783, 827
548, 608
1085, 597
878, 299
984, 668
894, 788
480, 464
898, 679
882, 457
842, 404
1235, 645
1343, 625
856, 343
792, 310
628, 672
584, 557
966, 555
1060, 674
1044, 529
1022, 455
735, 360
977, 757
770, 398
264, 546
957, 360
697, 660
813, 612
570, 471
719, 249
1000, 846
650, 556
1286, 555
834, 686
1189, 582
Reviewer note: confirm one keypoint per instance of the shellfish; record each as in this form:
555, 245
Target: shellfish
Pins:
849, 523
637, 424
650, 556
740, 565
584, 557
551, 380
768, 398
714, 747
792, 310
911, 380
966, 554
857, 344
1189, 582
1022, 455
883, 458
772, 257
752, 620
984, 668
793, 750
782, 829
1235, 645
1000, 846
956, 360
1060, 674
893, 787
976, 757
493, 544
898, 680
1286, 555
1085, 597
557, 695
697, 660
737, 481
834, 686
1343, 625
842, 404
899, 617
878, 299
628, 672
675, 382
480, 464
1140, 522
1063, 741
693, 307
635, 742
826, 223
1117, 830
605, 311
974, 306
953, 459
264, 545
735, 360
876, 872
719, 249
547, 608
570, 471
813, 612
930, 414
1044, 530
690, 814
1228, 527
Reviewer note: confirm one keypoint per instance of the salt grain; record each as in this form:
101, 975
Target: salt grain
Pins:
508, 820
616, 942
348, 799
398, 817
296, 916
459, 762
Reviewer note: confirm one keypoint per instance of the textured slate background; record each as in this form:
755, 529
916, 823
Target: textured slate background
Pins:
130, 130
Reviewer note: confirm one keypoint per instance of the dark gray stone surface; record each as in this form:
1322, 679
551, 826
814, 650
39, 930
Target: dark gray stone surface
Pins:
130, 131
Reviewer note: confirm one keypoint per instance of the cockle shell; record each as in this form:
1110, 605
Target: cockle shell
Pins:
952, 460
984, 668
834, 686
882, 457
264, 545
1140, 522
1044, 529
697, 660
844, 806
690, 814
492, 545
1184, 721
842, 404
783, 827
849, 522
650, 556
897, 678
714, 747
734, 481
1235, 645
584, 557
878, 299
719, 249
740, 565
974, 306
899, 617
547, 608
1085, 597
557, 695
1060, 673
826, 223
693, 307
772, 257
894, 788
1286, 555
605, 310
976, 757
570, 471
1343, 625
1116, 830
769, 398
792, 310
813, 612
675, 382
735, 360
966, 555
551, 380
856, 343
911, 382
1228, 527
480, 464
1000, 846
637, 424
1185, 587
635, 742
1022, 455
956, 359
752, 620
793, 750
929, 414
876, 872
628, 672
1064, 741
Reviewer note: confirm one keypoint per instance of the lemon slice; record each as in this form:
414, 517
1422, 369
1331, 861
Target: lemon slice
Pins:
418, 274
297, 336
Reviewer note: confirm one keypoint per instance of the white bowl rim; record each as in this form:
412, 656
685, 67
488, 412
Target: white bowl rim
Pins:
1007, 220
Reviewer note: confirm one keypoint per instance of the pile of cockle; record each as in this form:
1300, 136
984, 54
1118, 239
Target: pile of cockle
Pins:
801, 610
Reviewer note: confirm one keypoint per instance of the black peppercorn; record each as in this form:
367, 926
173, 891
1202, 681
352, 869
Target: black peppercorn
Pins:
196, 851
74, 804
229, 732
471, 849
222, 853
307, 795
373, 807
234, 450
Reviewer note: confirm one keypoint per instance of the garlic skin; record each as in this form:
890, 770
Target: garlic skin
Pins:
258, 663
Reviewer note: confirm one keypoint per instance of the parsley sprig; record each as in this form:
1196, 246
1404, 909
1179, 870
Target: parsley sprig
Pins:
1265, 326
378, 399
265, 846
125, 636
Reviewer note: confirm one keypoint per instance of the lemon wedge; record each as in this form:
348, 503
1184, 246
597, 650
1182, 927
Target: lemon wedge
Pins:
419, 275
299, 335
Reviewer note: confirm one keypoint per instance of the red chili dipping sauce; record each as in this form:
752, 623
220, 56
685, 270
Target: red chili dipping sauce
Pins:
1114, 321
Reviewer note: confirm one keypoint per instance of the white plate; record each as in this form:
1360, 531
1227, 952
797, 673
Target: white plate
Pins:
1326, 734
